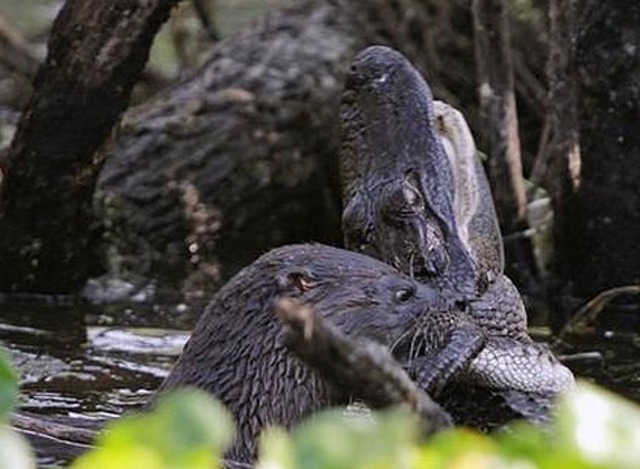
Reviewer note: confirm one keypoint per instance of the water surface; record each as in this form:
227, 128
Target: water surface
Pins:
90, 363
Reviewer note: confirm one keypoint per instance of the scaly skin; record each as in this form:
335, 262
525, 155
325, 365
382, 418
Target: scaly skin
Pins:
398, 202
474, 211
415, 195
449, 345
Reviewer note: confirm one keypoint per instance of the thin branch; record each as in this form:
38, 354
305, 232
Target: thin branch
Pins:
583, 322
365, 368
47, 428
498, 107
15, 55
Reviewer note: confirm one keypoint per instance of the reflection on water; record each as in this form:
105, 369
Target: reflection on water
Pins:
82, 363
609, 359
92, 364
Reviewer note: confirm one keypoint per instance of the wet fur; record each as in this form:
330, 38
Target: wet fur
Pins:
236, 351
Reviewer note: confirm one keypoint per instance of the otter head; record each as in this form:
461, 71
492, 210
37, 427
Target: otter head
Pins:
361, 296
237, 351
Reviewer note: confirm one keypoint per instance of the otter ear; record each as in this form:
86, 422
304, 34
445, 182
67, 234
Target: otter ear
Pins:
295, 281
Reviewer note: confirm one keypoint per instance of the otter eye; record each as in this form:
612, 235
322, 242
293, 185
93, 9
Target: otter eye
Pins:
403, 295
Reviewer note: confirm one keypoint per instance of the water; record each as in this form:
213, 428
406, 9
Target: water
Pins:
88, 364
609, 358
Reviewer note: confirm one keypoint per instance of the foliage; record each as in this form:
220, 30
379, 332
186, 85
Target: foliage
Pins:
188, 429
8, 385
15, 453
592, 429
333, 440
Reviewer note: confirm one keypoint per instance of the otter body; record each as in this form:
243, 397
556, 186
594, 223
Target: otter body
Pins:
236, 351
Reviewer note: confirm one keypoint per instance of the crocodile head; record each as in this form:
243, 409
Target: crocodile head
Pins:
412, 189
415, 195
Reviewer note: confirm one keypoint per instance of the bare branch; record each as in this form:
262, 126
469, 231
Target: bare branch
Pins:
365, 368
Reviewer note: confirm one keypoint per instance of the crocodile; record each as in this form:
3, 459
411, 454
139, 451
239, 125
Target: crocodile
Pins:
415, 195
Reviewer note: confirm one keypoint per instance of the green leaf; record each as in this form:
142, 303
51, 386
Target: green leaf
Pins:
15, 452
8, 385
458, 449
332, 440
599, 426
523, 439
188, 428
276, 450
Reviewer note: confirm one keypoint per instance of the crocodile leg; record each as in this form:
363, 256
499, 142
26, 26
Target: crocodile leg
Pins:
444, 347
433, 372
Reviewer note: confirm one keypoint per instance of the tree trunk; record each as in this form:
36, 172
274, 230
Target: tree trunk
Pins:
598, 212
241, 156
562, 170
96, 53
498, 107
608, 66
500, 121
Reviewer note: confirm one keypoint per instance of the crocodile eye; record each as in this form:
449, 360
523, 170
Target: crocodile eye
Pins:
412, 198
402, 203
403, 295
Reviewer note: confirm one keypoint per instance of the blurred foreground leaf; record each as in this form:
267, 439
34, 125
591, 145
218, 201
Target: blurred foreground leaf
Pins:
458, 449
187, 429
8, 385
15, 452
333, 440
593, 429
603, 428
276, 450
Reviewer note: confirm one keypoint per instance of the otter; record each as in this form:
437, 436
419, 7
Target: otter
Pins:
236, 351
